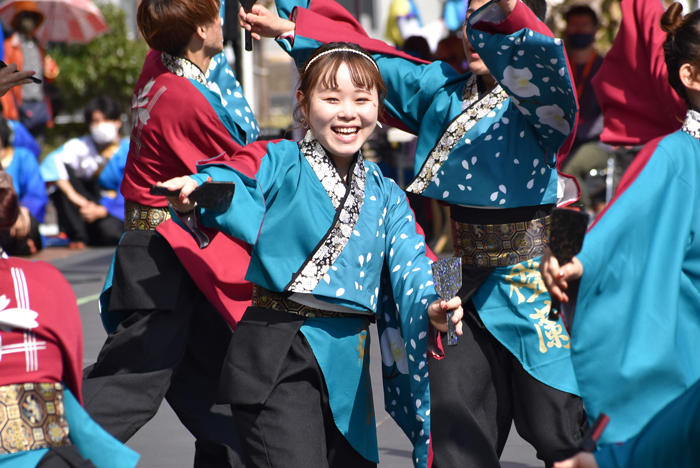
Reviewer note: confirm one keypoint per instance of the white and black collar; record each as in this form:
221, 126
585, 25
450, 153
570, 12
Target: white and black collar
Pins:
183, 67
691, 125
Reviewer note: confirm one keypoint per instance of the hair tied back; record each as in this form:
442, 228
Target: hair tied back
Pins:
672, 19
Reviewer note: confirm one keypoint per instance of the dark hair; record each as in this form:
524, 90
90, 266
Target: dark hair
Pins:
538, 7
581, 10
168, 25
9, 204
5, 133
324, 70
104, 104
418, 47
682, 44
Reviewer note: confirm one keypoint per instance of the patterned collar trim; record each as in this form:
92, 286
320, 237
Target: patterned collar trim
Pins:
183, 67
347, 203
474, 109
692, 124
3, 254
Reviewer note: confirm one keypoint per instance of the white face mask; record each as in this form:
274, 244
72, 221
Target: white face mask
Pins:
103, 133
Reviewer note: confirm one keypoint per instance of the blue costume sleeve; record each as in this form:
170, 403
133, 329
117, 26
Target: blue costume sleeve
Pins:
634, 336
32, 190
24, 139
670, 439
93, 442
530, 65
244, 217
223, 82
406, 253
111, 176
403, 323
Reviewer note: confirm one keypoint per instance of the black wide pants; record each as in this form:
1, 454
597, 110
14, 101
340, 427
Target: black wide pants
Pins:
479, 389
171, 345
279, 397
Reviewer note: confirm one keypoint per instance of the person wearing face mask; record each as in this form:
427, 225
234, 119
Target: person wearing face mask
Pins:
586, 151
29, 104
89, 213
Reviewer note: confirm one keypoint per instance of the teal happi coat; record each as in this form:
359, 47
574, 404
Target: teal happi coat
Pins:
354, 246
637, 324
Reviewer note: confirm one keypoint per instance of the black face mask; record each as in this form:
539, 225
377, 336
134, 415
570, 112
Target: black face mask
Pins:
579, 41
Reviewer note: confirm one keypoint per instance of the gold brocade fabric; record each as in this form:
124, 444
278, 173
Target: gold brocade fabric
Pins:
139, 217
498, 245
267, 299
32, 416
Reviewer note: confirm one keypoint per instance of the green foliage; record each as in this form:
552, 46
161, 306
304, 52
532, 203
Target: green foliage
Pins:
108, 65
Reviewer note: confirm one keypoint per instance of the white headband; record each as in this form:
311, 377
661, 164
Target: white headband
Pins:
341, 50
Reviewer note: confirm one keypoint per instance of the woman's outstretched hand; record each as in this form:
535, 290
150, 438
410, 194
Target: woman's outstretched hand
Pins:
186, 185
437, 311
261, 22
556, 277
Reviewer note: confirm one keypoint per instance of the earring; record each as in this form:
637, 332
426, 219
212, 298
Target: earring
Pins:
379, 124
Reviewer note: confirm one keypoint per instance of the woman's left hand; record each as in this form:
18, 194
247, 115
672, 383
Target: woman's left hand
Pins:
186, 185
437, 311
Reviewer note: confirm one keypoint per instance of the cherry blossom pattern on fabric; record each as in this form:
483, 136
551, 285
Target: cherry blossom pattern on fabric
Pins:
691, 125
222, 81
347, 205
474, 110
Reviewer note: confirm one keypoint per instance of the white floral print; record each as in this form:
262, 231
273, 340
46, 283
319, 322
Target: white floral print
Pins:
474, 110
518, 81
554, 117
394, 350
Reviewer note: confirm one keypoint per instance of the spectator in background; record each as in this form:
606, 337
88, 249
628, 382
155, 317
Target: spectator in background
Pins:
21, 164
586, 152
21, 137
451, 51
418, 47
29, 104
88, 213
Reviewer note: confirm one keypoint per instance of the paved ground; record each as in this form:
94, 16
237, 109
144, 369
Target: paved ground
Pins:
163, 442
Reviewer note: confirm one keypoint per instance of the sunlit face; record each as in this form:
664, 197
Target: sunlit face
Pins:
214, 42
476, 65
342, 118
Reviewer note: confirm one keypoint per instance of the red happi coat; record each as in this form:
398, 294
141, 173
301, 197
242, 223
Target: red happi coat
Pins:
50, 350
632, 86
178, 122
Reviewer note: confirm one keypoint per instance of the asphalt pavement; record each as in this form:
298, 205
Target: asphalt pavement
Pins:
164, 442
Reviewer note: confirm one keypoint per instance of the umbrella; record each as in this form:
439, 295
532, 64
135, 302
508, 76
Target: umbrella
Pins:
64, 20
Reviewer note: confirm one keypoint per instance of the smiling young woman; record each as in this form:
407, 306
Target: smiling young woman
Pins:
334, 248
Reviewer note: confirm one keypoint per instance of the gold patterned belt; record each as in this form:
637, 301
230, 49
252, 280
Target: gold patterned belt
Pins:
32, 416
267, 299
497, 245
139, 217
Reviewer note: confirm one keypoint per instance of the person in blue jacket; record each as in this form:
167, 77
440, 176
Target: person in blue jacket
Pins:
637, 322
21, 164
88, 212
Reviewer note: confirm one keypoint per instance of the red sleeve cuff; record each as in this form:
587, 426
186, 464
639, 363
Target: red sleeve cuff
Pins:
435, 349
520, 18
